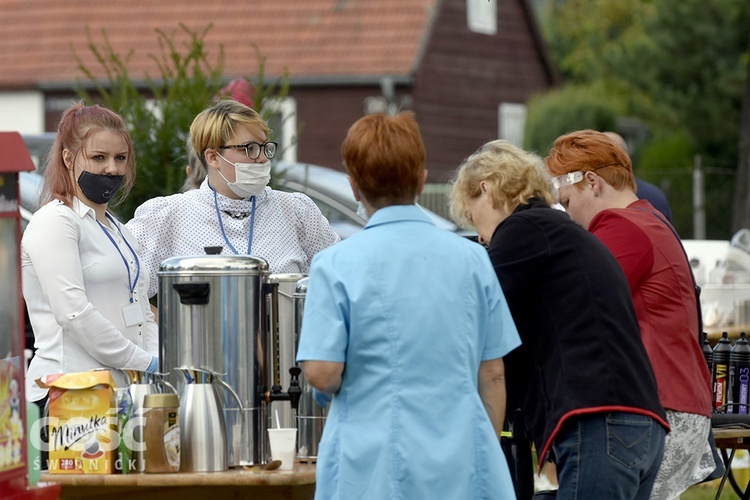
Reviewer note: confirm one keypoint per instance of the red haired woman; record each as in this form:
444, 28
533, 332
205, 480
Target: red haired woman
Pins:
596, 186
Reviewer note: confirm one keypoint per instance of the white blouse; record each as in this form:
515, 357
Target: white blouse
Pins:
76, 284
288, 229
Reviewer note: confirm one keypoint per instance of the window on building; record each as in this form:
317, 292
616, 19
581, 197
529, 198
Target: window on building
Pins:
481, 16
511, 122
281, 115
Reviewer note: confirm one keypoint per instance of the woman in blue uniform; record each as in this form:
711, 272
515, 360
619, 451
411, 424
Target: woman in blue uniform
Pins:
406, 325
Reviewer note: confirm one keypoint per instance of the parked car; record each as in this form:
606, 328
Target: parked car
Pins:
330, 190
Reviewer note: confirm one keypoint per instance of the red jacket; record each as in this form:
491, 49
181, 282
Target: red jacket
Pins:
660, 281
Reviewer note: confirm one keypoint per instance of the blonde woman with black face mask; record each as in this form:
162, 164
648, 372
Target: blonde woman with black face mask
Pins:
234, 208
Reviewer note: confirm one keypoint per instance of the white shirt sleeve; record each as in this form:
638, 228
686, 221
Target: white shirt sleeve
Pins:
59, 244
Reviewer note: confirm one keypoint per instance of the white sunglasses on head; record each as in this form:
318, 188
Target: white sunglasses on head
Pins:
568, 179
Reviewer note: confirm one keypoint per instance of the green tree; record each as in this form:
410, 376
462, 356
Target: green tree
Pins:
696, 66
159, 110
677, 65
561, 111
593, 41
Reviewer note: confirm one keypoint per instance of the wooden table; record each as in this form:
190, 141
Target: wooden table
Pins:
728, 441
732, 438
298, 484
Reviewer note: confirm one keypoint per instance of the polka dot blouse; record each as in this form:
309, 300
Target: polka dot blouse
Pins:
288, 230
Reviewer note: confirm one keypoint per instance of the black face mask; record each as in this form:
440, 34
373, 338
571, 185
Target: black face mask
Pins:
99, 188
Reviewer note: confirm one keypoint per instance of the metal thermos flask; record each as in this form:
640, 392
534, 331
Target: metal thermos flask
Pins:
739, 376
720, 372
203, 443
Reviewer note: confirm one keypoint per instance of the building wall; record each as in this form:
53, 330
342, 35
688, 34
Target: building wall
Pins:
324, 115
465, 76
459, 84
22, 111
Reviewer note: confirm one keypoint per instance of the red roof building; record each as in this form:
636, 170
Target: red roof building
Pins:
465, 67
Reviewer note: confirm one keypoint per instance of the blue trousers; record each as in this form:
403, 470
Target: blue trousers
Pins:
608, 455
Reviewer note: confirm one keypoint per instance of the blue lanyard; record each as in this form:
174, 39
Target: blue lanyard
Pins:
131, 283
221, 224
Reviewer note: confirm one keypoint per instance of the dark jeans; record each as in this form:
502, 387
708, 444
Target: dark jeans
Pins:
608, 455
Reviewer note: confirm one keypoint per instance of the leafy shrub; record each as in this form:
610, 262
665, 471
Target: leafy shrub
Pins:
160, 110
564, 110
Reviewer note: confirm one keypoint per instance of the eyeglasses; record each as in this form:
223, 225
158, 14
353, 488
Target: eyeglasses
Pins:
253, 149
567, 179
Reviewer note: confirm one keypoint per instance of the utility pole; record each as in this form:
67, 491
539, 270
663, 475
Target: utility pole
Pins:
699, 205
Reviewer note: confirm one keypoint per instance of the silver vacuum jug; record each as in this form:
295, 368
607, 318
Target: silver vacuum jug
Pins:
203, 443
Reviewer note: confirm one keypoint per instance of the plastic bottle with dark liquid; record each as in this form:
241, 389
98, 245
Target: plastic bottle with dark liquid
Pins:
708, 352
739, 376
720, 371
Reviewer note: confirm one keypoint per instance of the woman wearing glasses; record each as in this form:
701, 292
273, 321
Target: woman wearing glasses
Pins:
582, 377
234, 208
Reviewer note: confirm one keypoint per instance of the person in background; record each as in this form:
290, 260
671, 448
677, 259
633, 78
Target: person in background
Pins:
81, 271
582, 376
411, 355
240, 90
645, 190
597, 188
195, 171
233, 208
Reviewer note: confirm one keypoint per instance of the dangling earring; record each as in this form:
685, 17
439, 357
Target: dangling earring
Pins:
596, 195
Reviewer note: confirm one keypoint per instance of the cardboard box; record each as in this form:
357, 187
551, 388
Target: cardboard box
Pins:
82, 419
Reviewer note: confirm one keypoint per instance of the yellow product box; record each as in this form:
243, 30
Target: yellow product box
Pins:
81, 422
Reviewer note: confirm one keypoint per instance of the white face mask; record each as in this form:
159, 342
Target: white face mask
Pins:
250, 178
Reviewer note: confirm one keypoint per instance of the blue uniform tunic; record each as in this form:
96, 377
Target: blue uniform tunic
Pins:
412, 310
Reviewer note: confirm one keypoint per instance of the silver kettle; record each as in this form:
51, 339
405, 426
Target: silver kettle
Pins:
203, 436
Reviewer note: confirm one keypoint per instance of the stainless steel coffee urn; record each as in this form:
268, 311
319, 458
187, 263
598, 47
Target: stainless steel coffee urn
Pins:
225, 334
311, 417
283, 341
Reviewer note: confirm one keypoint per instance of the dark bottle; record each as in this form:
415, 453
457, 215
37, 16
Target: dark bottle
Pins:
720, 370
739, 376
708, 352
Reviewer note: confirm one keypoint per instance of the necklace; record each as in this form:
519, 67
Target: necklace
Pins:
236, 215
221, 224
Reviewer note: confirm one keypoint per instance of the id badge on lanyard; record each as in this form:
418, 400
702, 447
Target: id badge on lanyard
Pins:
132, 314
